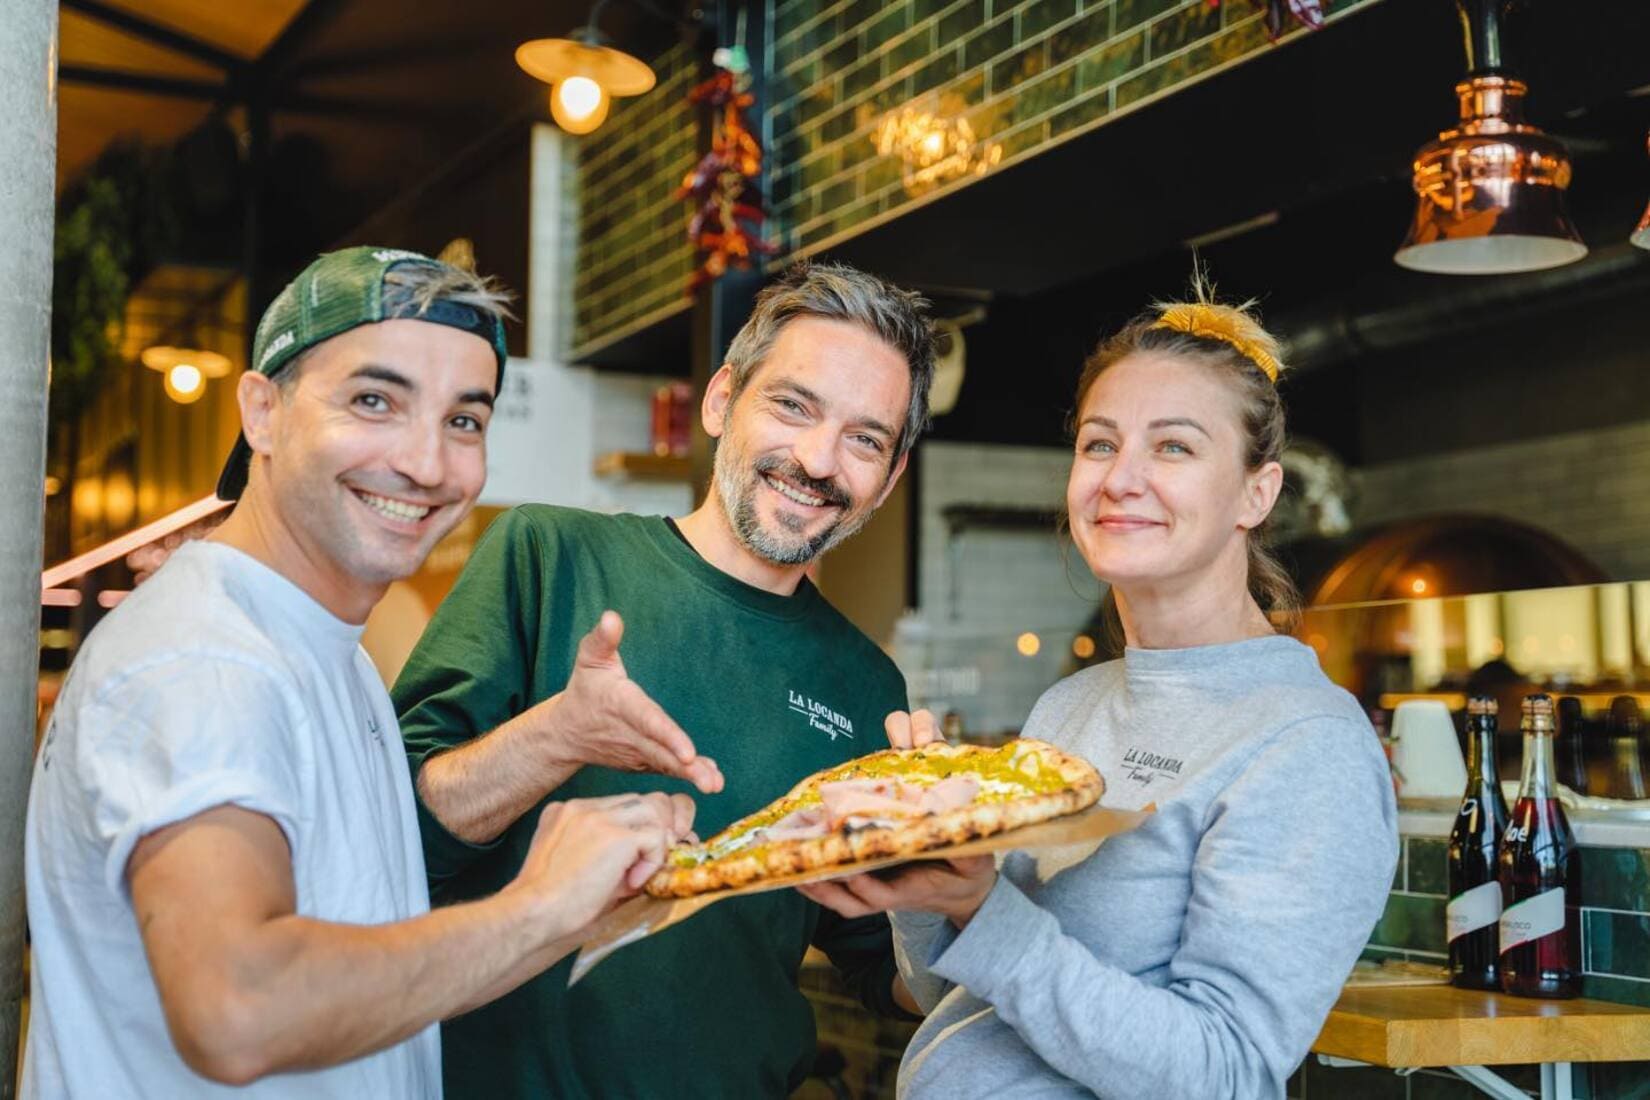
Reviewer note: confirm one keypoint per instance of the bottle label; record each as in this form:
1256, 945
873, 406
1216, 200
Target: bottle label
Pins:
1532, 918
1473, 909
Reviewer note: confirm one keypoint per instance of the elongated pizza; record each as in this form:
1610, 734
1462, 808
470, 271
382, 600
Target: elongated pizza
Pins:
891, 803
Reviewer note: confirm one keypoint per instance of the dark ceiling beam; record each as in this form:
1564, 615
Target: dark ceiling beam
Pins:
337, 107
353, 62
144, 82
508, 129
310, 21
245, 79
159, 35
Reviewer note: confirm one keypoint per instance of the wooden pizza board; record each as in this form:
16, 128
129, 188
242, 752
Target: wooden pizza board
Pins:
646, 915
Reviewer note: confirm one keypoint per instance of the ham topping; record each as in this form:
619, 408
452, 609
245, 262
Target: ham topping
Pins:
951, 793
859, 802
803, 824
869, 798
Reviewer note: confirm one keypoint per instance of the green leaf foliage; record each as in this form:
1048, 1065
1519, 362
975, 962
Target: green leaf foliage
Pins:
113, 224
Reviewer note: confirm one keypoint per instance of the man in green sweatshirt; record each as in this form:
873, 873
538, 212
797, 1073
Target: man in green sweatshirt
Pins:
823, 393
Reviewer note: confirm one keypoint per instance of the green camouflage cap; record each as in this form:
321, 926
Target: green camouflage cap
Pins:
340, 291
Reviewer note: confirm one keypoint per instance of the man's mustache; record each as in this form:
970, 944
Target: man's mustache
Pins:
828, 491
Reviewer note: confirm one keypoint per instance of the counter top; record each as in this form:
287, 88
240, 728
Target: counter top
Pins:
1439, 1025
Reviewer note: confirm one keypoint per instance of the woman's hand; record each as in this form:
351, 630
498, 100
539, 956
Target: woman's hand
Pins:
955, 888
911, 731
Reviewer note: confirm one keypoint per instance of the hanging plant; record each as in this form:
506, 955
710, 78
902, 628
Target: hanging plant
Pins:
112, 224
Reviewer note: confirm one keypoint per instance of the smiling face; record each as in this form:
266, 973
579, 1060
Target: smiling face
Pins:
807, 448
1158, 489
375, 450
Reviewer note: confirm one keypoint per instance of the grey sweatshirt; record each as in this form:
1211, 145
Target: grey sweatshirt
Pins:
1196, 957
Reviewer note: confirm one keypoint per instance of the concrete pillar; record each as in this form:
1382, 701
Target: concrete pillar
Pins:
28, 153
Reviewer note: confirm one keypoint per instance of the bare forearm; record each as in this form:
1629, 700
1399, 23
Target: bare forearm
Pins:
312, 993
480, 789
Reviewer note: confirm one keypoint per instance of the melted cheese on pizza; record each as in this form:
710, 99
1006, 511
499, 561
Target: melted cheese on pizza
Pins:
879, 790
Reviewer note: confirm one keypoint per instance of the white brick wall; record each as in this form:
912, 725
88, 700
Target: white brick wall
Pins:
553, 419
983, 588
1011, 579
1590, 488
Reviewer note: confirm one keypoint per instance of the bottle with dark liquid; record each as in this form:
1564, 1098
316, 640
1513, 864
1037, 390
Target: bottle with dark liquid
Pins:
1626, 728
1540, 872
1572, 744
1474, 911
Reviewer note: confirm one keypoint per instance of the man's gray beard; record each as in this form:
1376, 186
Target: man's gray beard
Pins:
739, 505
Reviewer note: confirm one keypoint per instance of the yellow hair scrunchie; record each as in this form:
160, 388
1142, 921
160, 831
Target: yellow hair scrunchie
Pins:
1215, 324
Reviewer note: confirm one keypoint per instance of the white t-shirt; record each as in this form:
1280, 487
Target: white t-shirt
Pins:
216, 682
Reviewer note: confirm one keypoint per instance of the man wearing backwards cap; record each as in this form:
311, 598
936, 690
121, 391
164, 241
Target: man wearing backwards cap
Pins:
224, 876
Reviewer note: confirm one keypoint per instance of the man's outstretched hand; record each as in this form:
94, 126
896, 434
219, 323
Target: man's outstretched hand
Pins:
603, 717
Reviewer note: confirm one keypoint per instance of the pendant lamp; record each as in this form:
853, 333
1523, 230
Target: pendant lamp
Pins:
1490, 192
584, 74
1641, 235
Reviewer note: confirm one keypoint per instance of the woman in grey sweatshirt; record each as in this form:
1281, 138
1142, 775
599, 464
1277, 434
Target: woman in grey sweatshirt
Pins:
1197, 956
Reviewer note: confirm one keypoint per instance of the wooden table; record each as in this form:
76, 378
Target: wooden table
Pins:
1462, 1030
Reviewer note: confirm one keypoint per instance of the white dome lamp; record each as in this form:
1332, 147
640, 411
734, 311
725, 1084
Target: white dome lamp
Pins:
185, 371
948, 368
584, 74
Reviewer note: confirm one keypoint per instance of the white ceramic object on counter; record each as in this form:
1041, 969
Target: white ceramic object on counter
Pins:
1426, 752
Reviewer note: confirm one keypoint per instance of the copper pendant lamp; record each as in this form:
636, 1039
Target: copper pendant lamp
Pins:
1490, 193
1641, 235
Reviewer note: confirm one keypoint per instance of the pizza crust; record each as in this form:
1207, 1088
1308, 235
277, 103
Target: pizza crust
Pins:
1081, 786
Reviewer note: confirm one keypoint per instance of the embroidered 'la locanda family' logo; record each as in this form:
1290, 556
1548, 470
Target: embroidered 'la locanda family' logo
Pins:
820, 716
1143, 766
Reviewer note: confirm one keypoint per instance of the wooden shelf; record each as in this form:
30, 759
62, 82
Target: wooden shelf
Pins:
1445, 1026
638, 464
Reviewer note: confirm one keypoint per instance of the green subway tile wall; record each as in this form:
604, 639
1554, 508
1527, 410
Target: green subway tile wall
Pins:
1428, 863
1617, 943
633, 258
1616, 878
1411, 923
1023, 73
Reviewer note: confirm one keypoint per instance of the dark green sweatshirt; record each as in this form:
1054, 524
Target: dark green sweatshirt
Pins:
772, 687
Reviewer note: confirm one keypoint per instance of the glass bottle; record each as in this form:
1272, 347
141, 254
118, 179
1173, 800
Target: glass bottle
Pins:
1571, 745
1473, 914
1539, 868
1626, 727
